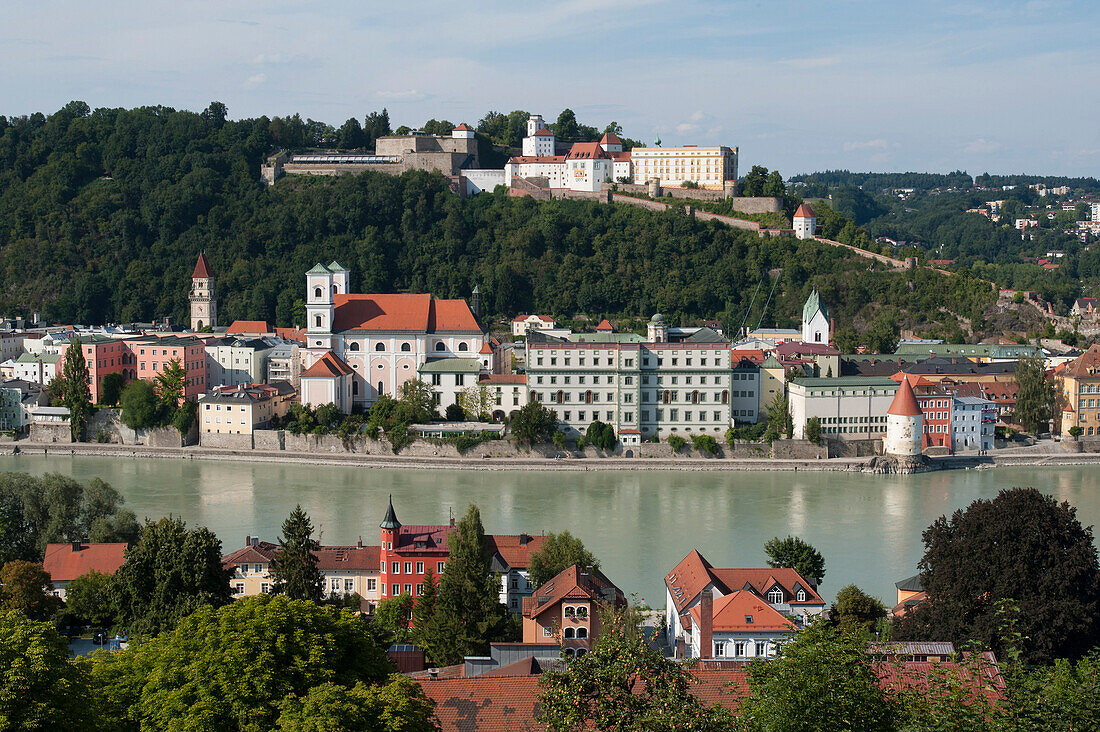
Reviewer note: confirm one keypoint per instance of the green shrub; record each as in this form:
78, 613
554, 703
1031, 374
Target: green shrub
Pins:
676, 442
705, 443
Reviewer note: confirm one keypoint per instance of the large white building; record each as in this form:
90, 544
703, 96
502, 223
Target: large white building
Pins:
849, 407
586, 166
372, 344
231, 361
708, 167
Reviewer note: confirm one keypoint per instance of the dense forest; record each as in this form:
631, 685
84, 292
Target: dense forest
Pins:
103, 213
927, 181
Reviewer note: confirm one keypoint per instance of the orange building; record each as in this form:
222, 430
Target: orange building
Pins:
152, 355
566, 610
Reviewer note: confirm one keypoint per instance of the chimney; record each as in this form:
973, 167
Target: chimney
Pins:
77, 546
360, 542
706, 625
524, 539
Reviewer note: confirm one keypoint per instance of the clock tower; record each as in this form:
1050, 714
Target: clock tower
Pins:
204, 302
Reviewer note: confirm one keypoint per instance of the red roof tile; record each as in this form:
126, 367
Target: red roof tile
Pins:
905, 403
520, 159
291, 334
464, 127
571, 583
486, 349
513, 549
804, 211
730, 612
64, 564
694, 573
328, 366
504, 379
248, 326
605, 324
610, 138
202, 267
415, 313
543, 132
586, 151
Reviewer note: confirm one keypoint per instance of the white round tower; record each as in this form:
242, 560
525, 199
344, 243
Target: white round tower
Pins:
904, 423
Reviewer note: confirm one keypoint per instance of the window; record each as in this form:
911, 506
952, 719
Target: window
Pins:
408, 567
569, 634
775, 596
420, 567
440, 347
396, 590
405, 348
439, 567
380, 346
371, 585
317, 321
408, 589
396, 568
719, 649
547, 632
463, 347
739, 648
761, 648
582, 632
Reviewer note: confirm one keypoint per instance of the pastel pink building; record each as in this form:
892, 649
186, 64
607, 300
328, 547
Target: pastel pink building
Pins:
152, 354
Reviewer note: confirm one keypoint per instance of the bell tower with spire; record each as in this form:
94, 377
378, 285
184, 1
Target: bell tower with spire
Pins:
204, 300
390, 527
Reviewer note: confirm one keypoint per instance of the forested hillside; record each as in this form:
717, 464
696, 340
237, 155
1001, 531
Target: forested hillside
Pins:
103, 213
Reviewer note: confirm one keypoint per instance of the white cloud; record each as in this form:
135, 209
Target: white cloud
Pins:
878, 144
685, 127
254, 81
982, 145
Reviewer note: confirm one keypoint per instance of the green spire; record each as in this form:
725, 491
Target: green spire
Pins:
390, 522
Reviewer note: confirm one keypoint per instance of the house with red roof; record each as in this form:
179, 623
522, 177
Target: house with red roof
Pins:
783, 590
565, 610
587, 166
521, 324
64, 562
369, 345
740, 625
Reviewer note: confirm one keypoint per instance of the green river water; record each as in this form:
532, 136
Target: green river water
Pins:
639, 523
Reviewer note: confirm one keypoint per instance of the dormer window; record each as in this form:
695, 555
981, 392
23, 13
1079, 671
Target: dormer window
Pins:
801, 595
775, 596
748, 620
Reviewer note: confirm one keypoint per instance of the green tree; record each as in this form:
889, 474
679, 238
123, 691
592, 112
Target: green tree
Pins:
1023, 546
476, 402
797, 554
566, 128
601, 435
88, 599
294, 565
426, 602
394, 616
855, 608
676, 442
110, 388
813, 430
1062, 697
822, 679
416, 396
774, 185
139, 405
232, 668
882, 336
26, 587
623, 684
76, 394
558, 552
534, 424
185, 417
40, 689
168, 574
1035, 395
171, 384
779, 415
398, 706
455, 413
468, 613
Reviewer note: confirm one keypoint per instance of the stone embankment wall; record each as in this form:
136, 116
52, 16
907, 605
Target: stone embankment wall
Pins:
56, 432
107, 422
744, 204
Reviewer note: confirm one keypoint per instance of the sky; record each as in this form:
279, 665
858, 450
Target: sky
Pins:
883, 85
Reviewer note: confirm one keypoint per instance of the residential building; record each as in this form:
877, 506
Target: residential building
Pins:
284, 364
816, 359
105, 355
328, 381
565, 610
1085, 307
449, 377
17, 398
745, 392
203, 297
507, 392
409, 552
38, 368
236, 360
805, 227
740, 625
239, 410
784, 591
910, 594
849, 407
153, 354
712, 168
11, 345
64, 562
382, 340
973, 422
1079, 384
523, 323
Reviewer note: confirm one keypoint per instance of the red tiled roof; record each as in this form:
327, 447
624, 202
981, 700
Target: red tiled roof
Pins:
543, 132
586, 151
804, 211
328, 366
914, 380
262, 551
620, 156
202, 267
513, 550
1086, 364
64, 564
694, 573
348, 557
982, 675
248, 326
570, 583
464, 127
688, 578
905, 403
520, 159
610, 138
731, 611
417, 313
504, 379
605, 324
792, 348
485, 703
486, 348
291, 334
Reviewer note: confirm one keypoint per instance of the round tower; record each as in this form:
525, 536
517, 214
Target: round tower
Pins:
904, 423
390, 527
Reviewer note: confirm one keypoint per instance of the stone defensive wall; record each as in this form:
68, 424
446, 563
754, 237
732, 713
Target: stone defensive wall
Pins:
744, 204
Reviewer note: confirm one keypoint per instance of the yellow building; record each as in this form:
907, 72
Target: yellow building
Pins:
1079, 384
241, 409
710, 167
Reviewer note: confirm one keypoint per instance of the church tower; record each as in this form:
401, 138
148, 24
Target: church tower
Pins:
204, 301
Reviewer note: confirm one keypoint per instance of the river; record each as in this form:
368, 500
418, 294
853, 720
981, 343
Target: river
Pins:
639, 523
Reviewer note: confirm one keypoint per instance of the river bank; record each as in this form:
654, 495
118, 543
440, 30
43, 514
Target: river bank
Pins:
539, 462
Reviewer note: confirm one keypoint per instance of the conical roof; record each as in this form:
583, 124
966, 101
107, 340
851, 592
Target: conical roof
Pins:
390, 522
905, 402
202, 267
804, 211
337, 267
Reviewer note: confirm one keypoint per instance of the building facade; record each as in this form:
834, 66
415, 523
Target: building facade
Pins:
973, 423
236, 360
565, 610
710, 167
849, 407
204, 298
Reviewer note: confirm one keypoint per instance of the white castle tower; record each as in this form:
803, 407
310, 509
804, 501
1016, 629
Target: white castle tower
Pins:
904, 423
805, 222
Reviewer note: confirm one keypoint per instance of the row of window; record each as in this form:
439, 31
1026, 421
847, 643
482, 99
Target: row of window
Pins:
628, 363
738, 649
396, 567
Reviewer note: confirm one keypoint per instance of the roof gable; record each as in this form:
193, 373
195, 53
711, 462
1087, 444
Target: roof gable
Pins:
329, 366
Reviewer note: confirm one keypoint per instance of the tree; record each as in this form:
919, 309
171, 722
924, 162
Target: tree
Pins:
399, 706
882, 336
1035, 395
1062, 697
534, 424
185, 417
798, 555
813, 430
168, 574
425, 607
822, 678
26, 587
601, 435
139, 405
566, 128
350, 135
394, 616
75, 392
171, 384
40, 689
623, 684
468, 613
417, 396
294, 565
774, 185
232, 668
88, 599
1023, 546
476, 402
856, 609
558, 552
110, 388
455, 413
753, 183
779, 415
377, 124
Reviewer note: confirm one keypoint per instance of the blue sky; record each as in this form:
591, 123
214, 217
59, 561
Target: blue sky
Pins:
800, 86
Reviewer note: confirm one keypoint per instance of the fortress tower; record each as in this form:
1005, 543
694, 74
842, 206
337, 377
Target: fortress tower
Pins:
904, 424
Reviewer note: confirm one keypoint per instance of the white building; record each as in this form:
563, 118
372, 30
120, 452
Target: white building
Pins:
709, 167
523, 323
816, 327
972, 424
805, 222
849, 407
588, 166
232, 361
37, 368
507, 393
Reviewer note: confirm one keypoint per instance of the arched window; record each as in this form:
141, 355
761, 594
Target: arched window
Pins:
463, 347
440, 347
379, 388
569, 634
775, 596
695, 397
801, 595
353, 346
725, 397
581, 652
582, 612
569, 652
561, 397
334, 290
405, 348
568, 612
318, 293
379, 346
588, 397
317, 321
